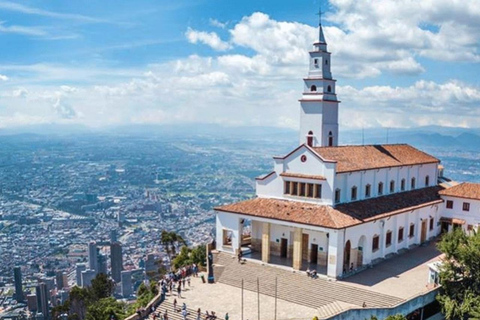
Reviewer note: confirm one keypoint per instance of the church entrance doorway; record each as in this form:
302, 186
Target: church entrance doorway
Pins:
346, 256
304, 246
423, 236
283, 247
314, 253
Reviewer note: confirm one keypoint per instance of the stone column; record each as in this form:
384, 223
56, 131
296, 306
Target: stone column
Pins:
335, 253
266, 242
297, 248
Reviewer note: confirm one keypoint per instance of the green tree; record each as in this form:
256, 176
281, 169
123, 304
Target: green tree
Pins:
104, 309
460, 275
171, 240
188, 256
102, 287
395, 317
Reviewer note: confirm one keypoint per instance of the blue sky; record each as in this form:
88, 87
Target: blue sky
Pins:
398, 63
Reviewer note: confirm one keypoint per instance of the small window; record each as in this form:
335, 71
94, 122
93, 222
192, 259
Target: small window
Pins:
431, 223
449, 204
392, 186
330, 139
354, 193
368, 191
310, 139
329, 89
402, 185
412, 184
388, 238
287, 187
375, 243
313, 88
294, 188
380, 188
326, 61
318, 191
466, 206
302, 189
310, 190
427, 181
411, 233
400, 234
337, 196
315, 62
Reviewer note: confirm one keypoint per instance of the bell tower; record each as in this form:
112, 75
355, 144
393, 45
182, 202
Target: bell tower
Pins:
319, 104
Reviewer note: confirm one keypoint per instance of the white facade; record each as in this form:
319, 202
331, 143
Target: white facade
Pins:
465, 213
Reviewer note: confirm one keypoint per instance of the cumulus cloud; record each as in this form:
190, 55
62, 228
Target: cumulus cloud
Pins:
3, 77
209, 38
263, 87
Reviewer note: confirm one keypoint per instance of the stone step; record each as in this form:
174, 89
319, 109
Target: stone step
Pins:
294, 286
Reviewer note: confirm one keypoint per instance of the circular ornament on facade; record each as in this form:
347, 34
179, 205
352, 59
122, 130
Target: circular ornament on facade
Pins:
303, 158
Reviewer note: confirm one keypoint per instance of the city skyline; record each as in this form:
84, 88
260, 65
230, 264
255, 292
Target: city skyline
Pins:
236, 64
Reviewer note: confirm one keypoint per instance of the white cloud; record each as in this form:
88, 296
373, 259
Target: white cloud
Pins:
209, 38
262, 88
16, 7
31, 31
3, 77
218, 24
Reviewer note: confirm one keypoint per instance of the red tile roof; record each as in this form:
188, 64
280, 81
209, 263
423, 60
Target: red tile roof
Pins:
342, 216
357, 158
464, 190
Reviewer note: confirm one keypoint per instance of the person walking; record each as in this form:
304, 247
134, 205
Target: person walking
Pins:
175, 305
199, 314
226, 316
184, 314
179, 291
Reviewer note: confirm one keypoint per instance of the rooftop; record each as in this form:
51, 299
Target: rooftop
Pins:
464, 190
340, 216
357, 158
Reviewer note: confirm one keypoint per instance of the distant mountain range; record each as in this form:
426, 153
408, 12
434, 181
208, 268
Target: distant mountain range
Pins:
430, 136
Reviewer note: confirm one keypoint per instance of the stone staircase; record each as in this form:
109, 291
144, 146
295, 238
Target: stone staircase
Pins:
172, 314
327, 296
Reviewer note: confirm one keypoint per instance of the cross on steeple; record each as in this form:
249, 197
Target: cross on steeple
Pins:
319, 14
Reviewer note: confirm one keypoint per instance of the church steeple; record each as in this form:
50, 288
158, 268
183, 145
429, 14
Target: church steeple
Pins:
319, 104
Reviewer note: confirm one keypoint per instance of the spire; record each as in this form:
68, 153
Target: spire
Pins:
321, 37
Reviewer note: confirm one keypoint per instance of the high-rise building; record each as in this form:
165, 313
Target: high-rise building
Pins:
79, 268
116, 260
87, 277
113, 235
93, 256
150, 263
59, 278
102, 264
126, 277
42, 300
17, 274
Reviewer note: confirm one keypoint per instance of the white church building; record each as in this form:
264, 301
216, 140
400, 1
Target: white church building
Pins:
340, 208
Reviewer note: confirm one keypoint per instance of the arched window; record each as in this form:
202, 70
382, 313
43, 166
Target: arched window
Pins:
427, 181
329, 89
380, 188
354, 193
412, 184
330, 139
368, 190
310, 139
402, 185
313, 88
392, 186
